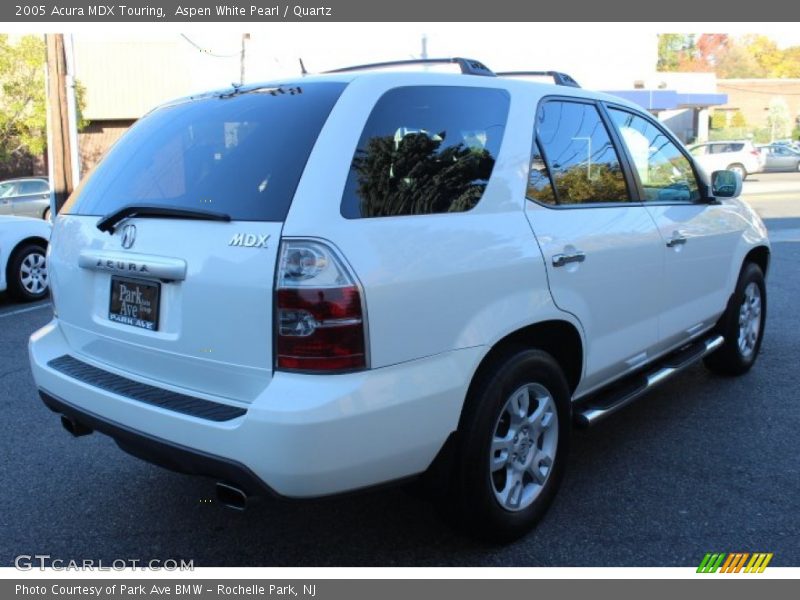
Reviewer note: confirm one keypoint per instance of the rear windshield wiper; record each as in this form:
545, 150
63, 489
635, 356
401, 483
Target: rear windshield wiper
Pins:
112, 219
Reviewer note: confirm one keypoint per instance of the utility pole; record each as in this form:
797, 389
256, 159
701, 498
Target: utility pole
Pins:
424, 47
60, 139
245, 37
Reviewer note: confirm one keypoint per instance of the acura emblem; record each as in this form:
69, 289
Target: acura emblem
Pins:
128, 236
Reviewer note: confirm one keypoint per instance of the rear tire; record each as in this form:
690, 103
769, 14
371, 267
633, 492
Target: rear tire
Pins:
27, 273
738, 168
512, 446
742, 325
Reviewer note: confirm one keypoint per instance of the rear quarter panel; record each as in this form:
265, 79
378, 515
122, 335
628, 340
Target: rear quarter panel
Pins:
433, 283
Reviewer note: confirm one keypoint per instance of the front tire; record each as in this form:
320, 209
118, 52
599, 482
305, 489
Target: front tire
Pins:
742, 325
513, 444
27, 273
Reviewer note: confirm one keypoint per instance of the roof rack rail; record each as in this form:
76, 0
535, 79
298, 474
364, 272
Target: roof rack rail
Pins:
468, 66
558, 78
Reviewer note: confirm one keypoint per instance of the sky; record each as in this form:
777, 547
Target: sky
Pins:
604, 56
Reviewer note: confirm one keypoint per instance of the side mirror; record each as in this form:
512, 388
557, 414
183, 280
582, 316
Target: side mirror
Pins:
726, 184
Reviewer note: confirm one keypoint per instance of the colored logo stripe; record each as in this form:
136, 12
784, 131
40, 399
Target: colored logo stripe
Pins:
734, 562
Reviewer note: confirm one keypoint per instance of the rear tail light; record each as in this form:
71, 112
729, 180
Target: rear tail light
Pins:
319, 308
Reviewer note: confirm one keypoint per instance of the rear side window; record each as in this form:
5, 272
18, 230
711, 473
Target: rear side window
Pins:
720, 148
575, 150
425, 150
240, 154
33, 187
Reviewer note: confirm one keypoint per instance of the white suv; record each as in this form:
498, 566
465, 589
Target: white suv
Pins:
741, 156
319, 285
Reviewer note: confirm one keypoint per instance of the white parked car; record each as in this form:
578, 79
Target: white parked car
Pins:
320, 285
742, 157
23, 247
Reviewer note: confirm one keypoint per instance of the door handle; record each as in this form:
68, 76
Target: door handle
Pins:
559, 260
676, 240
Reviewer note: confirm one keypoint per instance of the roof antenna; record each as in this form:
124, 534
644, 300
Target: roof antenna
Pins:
302, 67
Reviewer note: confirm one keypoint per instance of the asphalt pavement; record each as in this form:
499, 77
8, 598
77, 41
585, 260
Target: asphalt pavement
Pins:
702, 464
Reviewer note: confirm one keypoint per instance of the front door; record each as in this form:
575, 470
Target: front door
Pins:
602, 251
698, 238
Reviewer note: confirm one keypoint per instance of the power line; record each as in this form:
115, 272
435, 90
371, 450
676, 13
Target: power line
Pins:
208, 52
773, 93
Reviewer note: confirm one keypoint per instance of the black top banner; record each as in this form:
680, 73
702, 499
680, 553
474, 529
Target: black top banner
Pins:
70, 11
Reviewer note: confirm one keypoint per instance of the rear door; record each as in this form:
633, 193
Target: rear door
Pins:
32, 197
602, 250
698, 238
783, 159
187, 302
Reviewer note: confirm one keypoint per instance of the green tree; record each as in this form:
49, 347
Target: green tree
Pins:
22, 96
790, 65
738, 62
778, 118
765, 51
23, 100
719, 120
673, 48
738, 119
419, 175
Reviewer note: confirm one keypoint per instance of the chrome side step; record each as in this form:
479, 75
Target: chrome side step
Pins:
619, 395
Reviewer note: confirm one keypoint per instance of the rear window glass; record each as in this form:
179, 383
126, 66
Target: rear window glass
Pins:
240, 154
424, 150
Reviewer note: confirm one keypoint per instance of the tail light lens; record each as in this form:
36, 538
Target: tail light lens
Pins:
320, 317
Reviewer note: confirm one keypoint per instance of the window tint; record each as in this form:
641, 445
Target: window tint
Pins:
540, 187
424, 150
240, 154
32, 187
6, 189
583, 163
664, 172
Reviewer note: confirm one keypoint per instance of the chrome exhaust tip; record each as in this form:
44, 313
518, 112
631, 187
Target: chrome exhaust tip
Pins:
231, 496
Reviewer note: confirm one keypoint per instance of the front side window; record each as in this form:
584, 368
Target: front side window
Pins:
664, 172
425, 150
583, 163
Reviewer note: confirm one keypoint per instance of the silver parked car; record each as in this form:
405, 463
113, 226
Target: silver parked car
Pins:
740, 156
781, 157
25, 197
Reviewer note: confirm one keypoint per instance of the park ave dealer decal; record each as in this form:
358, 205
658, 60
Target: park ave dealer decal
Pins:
177, 589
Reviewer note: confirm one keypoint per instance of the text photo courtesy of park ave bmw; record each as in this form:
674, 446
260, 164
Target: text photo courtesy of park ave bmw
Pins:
285, 293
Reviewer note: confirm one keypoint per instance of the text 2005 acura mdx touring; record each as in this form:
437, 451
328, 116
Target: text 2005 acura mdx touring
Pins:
327, 283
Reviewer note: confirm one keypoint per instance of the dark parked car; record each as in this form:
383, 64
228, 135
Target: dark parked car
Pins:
781, 157
25, 197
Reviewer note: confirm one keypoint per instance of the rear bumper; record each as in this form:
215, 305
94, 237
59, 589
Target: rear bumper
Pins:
162, 452
303, 436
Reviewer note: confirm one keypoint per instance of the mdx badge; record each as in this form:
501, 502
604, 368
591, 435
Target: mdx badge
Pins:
249, 240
